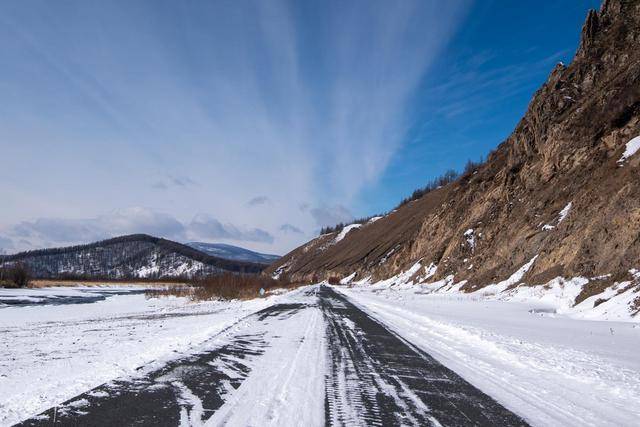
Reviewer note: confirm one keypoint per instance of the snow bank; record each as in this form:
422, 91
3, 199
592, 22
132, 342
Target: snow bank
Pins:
619, 302
514, 279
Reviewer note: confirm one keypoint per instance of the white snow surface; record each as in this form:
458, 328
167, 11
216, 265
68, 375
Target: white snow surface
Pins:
564, 212
50, 353
471, 239
615, 303
551, 369
345, 231
286, 384
630, 149
561, 216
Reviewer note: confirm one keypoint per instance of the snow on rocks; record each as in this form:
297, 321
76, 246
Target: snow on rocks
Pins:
348, 279
514, 279
345, 231
429, 272
558, 293
283, 268
561, 216
630, 149
471, 239
614, 303
564, 212
619, 302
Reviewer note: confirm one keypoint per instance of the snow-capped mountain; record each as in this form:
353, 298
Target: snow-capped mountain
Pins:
133, 256
235, 253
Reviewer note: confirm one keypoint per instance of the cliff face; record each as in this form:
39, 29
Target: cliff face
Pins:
558, 188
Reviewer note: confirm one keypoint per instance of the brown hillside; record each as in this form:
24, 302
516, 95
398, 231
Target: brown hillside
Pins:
565, 149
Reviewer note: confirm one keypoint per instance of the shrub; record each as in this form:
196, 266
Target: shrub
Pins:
444, 179
334, 280
15, 276
471, 166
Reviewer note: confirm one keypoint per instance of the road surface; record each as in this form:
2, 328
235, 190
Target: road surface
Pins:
319, 360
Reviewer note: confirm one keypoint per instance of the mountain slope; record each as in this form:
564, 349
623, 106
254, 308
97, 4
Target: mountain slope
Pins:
133, 256
559, 191
233, 253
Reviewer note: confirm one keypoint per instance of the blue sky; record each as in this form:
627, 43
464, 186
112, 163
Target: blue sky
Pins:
251, 122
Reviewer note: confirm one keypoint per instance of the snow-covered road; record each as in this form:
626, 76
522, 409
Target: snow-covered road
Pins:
314, 356
308, 358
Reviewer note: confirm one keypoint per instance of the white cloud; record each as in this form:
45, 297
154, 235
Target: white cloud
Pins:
247, 98
208, 228
330, 216
49, 232
258, 200
288, 228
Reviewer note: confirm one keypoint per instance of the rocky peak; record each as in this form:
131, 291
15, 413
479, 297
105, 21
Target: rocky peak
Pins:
563, 153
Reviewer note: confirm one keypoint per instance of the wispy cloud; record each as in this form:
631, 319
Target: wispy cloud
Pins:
467, 87
332, 215
175, 182
208, 228
48, 232
254, 97
258, 200
288, 228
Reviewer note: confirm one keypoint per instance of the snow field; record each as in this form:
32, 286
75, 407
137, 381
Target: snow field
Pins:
51, 353
552, 370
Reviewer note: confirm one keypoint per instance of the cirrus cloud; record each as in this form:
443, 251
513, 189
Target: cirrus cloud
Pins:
206, 227
47, 232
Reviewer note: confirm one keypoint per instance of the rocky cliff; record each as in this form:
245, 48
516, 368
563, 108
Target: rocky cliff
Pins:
562, 190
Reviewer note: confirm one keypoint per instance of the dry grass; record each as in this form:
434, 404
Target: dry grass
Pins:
226, 286
334, 280
47, 283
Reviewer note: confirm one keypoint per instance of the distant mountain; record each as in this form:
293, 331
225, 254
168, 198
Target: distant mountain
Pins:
133, 256
233, 253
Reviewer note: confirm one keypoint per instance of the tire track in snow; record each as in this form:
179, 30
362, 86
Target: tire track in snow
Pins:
376, 378
186, 391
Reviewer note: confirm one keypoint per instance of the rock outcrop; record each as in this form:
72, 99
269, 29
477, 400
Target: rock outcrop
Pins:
558, 188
